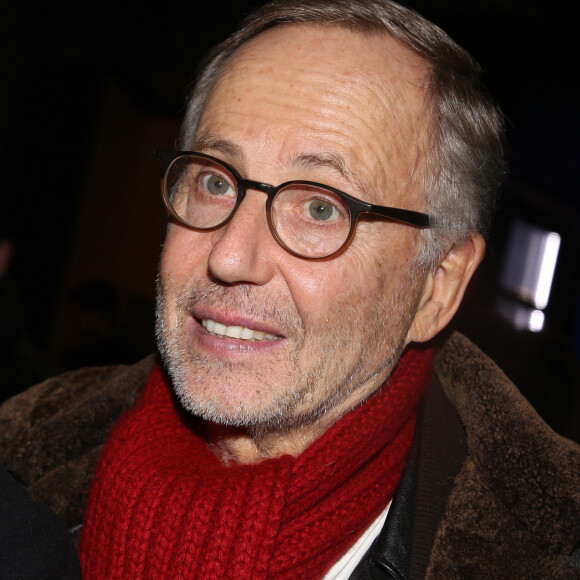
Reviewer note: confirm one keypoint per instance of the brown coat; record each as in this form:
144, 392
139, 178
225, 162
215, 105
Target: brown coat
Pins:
510, 509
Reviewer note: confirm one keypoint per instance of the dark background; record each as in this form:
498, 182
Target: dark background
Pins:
89, 90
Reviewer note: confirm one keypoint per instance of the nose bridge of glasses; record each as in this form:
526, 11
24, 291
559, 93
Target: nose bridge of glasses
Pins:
245, 184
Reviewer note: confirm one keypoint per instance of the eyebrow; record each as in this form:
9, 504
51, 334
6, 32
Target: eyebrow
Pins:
213, 143
314, 160
330, 159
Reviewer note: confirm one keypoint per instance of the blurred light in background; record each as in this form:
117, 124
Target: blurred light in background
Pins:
527, 274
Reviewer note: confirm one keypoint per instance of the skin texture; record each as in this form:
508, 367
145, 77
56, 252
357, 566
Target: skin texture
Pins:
328, 105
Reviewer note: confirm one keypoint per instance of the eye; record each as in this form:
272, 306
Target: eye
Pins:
217, 185
322, 210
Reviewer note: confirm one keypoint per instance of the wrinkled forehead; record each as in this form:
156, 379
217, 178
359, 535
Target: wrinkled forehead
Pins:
364, 94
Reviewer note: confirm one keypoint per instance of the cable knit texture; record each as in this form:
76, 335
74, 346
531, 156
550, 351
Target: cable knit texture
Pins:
164, 506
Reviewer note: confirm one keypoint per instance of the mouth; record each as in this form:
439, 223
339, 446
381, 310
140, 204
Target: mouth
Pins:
221, 330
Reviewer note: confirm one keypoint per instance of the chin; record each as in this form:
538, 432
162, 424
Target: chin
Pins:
244, 408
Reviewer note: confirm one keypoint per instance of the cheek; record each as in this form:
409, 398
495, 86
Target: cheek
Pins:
389, 248
318, 288
307, 284
376, 264
184, 252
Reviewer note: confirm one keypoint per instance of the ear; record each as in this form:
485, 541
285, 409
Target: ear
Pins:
444, 289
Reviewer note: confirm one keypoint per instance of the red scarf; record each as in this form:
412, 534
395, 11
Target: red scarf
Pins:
163, 505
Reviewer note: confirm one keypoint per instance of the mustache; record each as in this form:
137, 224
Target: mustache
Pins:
250, 299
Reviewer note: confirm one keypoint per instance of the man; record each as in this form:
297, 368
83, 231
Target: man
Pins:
298, 427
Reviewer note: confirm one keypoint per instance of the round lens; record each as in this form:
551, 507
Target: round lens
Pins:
201, 192
312, 221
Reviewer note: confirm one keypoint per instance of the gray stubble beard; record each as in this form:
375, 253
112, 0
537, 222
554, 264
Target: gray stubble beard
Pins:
282, 415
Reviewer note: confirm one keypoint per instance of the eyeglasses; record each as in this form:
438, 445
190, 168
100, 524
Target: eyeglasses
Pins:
310, 220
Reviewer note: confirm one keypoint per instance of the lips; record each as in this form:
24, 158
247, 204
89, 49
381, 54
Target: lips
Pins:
240, 332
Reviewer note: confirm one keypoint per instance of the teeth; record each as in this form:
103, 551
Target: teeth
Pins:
219, 329
247, 333
234, 331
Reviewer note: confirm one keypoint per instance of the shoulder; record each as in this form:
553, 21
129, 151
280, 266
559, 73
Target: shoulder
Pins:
494, 413
517, 497
51, 434
71, 399
61, 395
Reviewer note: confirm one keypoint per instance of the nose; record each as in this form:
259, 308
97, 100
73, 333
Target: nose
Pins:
243, 248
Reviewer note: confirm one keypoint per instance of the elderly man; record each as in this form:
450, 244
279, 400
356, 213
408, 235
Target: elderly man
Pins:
337, 173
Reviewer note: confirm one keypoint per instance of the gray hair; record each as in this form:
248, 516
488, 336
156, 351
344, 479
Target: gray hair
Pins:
465, 162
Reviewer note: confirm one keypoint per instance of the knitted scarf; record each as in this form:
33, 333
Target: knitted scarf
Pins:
162, 504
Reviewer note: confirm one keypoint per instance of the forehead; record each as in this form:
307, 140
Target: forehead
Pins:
306, 89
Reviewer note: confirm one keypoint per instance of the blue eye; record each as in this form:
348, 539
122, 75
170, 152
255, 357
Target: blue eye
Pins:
217, 185
321, 210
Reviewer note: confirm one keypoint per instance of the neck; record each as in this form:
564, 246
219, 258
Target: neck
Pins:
245, 446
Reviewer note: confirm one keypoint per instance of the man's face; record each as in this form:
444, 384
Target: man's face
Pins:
326, 105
